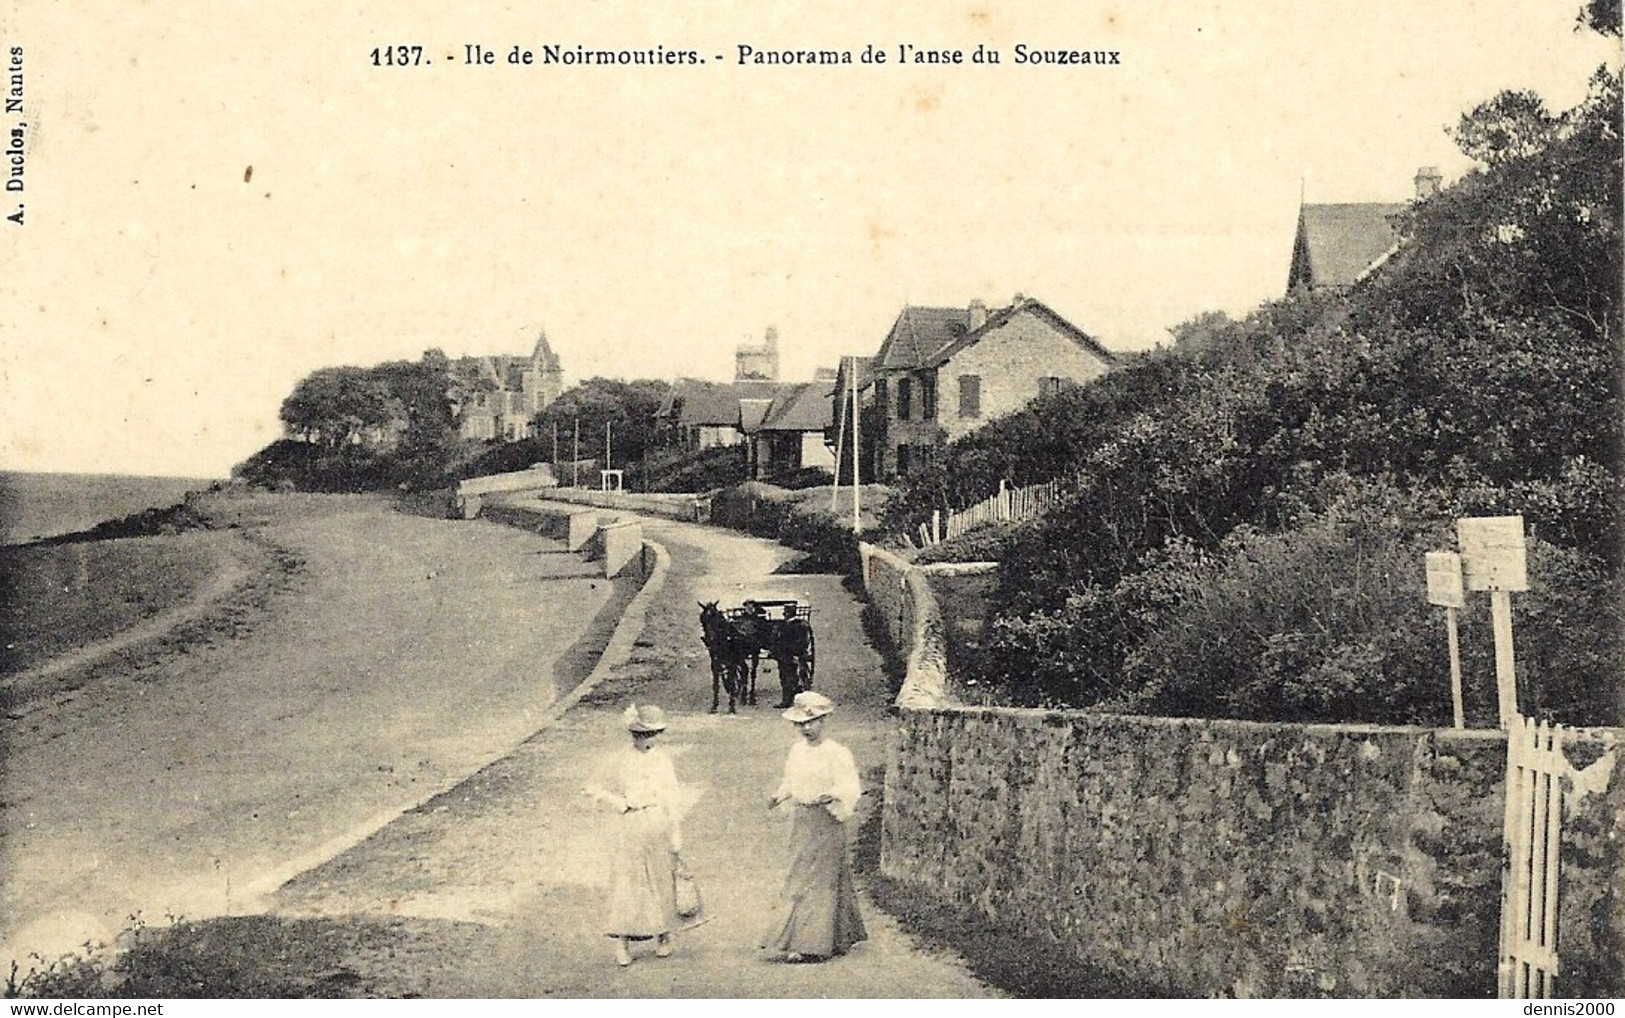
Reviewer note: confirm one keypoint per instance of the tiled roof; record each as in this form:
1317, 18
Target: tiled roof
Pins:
919, 334
1336, 244
803, 406
1018, 306
752, 412
865, 368
543, 353
713, 404
749, 405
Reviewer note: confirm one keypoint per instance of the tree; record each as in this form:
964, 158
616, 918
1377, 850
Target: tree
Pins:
1601, 16
1535, 228
335, 407
629, 409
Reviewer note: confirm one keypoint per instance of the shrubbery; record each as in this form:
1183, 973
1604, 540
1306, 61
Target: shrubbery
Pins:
1245, 514
706, 470
800, 520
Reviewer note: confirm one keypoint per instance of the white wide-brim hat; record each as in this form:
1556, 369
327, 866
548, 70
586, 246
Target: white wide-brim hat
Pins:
807, 706
642, 718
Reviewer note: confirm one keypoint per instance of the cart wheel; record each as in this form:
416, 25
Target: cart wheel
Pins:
812, 660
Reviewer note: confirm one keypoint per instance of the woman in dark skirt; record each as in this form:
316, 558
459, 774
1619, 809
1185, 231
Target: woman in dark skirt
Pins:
819, 904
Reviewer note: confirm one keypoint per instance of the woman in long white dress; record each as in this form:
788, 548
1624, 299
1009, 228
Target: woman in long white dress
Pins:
645, 858
819, 914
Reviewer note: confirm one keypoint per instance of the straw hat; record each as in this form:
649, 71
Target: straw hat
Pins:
644, 718
807, 706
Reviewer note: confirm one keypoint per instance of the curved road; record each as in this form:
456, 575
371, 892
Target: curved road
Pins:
414, 652
495, 888
362, 758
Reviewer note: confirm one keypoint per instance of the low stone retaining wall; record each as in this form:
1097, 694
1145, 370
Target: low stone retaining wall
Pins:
1225, 858
575, 527
601, 537
902, 598
471, 494
618, 545
685, 507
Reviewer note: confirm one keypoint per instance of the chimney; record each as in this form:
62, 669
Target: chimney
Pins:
772, 342
1428, 179
978, 315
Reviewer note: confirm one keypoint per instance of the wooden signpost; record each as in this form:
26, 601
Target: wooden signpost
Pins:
1492, 558
1445, 590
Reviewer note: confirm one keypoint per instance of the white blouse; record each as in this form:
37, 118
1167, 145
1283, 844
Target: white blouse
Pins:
825, 769
647, 780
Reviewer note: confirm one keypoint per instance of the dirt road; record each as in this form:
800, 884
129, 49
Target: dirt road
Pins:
414, 652
362, 781
502, 877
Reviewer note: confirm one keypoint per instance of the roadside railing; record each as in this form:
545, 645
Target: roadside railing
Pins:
1007, 505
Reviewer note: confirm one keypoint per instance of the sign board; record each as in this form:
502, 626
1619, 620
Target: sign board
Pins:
1492, 555
1444, 579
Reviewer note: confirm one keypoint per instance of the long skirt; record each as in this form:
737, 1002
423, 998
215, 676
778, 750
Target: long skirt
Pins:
820, 905
642, 889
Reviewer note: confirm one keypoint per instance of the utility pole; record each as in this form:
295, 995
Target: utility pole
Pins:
575, 457
840, 454
855, 510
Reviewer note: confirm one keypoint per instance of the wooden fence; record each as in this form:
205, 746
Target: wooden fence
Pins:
1534, 824
1008, 505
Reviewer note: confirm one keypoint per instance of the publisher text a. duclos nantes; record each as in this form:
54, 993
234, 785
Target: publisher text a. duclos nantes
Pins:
16, 132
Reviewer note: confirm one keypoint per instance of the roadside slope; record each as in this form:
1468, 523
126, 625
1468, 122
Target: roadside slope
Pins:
413, 652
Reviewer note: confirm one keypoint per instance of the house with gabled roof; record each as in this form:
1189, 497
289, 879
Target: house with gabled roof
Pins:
790, 436
1338, 245
502, 394
943, 372
780, 426
703, 414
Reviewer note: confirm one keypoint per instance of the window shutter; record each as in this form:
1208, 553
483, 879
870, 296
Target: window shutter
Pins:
970, 395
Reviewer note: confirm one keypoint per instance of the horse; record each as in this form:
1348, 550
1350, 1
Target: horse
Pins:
729, 655
788, 642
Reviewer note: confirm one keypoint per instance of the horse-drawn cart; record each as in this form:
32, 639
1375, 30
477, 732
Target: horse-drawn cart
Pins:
737, 638
777, 619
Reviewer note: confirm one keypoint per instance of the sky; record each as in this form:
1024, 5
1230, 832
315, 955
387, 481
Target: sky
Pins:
223, 197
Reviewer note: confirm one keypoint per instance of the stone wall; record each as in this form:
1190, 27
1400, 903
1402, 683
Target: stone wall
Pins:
602, 537
575, 527
1227, 858
1235, 858
963, 592
689, 508
620, 545
538, 476
901, 598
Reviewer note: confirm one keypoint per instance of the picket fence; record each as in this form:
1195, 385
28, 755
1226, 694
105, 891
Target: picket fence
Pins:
1534, 824
1008, 505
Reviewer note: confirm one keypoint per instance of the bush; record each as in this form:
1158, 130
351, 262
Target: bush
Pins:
1326, 620
706, 470
799, 520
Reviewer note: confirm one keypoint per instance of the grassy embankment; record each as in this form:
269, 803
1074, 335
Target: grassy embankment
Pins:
203, 562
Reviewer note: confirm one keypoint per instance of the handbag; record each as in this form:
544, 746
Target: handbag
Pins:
687, 893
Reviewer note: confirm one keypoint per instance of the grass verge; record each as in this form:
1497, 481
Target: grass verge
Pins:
260, 956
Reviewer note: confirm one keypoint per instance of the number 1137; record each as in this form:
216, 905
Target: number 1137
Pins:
397, 56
